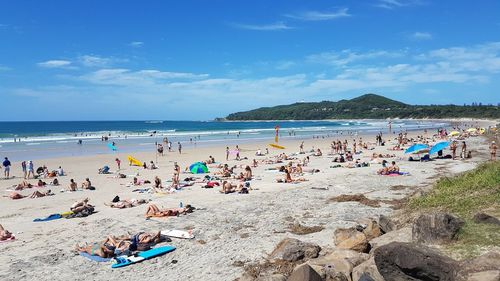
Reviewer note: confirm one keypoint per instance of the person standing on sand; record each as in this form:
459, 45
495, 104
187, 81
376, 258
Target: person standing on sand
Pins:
6, 165
31, 170
180, 147
237, 153
23, 166
493, 151
463, 154
453, 148
227, 153
301, 147
118, 163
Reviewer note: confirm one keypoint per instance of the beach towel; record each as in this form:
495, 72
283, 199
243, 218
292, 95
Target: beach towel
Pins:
49, 218
94, 258
10, 239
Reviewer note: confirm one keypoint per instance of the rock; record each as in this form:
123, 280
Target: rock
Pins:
304, 272
274, 277
365, 277
401, 235
351, 238
486, 262
371, 229
409, 261
490, 275
291, 250
437, 227
485, 218
339, 260
386, 224
367, 269
335, 276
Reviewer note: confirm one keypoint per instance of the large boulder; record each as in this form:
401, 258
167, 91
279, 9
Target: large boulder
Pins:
304, 272
485, 218
368, 271
386, 224
338, 261
409, 261
292, 250
401, 235
436, 228
351, 239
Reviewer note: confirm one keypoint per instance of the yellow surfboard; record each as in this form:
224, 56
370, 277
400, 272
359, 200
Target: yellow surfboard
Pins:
276, 146
134, 161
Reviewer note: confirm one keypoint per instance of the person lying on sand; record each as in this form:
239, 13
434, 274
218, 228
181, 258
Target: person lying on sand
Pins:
318, 152
288, 178
4, 233
38, 194
23, 185
81, 205
41, 183
228, 187
15, 196
154, 211
97, 249
127, 203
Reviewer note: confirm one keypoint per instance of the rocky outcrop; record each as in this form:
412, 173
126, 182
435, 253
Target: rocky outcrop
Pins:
401, 235
371, 228
292, 250
367, 269
339, 261
386, 224
485, 267
304, 272
436, 228
409, 261
351, 239
485, 218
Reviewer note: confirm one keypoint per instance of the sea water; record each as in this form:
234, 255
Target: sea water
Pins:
38, 140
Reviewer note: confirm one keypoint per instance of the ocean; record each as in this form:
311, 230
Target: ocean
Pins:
38, 140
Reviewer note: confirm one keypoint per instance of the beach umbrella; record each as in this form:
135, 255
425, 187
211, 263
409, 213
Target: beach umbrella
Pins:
416, 147
439, 146
471, 130
455, 133
198, 168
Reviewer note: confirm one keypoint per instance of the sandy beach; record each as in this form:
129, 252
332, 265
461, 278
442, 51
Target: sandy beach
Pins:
230, 229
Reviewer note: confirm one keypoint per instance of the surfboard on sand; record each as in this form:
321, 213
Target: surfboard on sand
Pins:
276, 146
178, 234
122, 261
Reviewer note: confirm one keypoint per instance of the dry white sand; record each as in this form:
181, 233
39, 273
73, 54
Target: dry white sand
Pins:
233, 227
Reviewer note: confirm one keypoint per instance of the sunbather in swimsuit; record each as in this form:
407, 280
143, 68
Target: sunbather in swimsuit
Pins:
4, 234
154, 211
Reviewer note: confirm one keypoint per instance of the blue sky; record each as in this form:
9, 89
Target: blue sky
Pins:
196, 60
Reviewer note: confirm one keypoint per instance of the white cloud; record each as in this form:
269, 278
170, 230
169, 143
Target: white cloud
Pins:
55, 64
4, 68
283, 65
320, 16
136, 44
265, 27
392, 4
345, 57
98, 61
419, 36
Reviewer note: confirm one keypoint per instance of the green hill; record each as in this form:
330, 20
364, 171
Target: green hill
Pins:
369, 106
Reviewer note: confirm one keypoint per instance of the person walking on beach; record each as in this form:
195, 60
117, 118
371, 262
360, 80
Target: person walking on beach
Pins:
6, 167
31, 170
180, 147
227, 153
463, 154
301, 147
493, 151
453, 148
169, 144
25, 170
237, 153
118, 163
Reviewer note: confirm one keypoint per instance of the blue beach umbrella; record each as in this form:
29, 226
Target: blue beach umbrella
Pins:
198, 168
415, 148
439, 146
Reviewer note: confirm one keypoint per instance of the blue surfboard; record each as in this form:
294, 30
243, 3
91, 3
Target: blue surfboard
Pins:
122, 261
